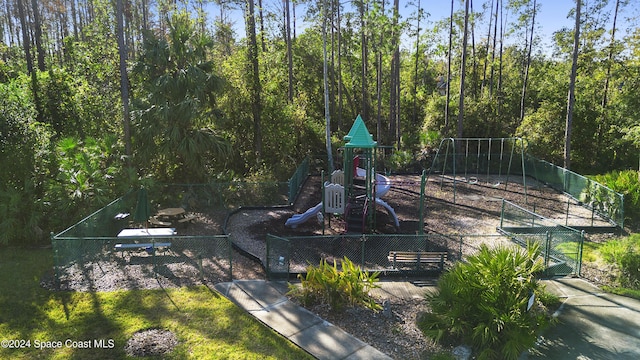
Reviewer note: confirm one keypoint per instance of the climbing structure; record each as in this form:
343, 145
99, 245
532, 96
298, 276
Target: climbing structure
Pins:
359, 177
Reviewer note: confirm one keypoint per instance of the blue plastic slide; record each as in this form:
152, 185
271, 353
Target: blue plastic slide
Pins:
383, 184
298, 219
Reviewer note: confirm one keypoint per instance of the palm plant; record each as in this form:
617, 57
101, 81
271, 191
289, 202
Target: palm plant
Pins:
349, 286
490, 301
174, 126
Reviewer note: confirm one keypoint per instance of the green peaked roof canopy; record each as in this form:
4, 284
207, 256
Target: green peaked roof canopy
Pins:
359, 136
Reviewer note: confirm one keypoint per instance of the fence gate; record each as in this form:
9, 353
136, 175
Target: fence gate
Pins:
278, 258
563, 253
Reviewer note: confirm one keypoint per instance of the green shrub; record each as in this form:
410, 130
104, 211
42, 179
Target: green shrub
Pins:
613, 250
630, 270
624, 182
400, 160
625, 254
484, 302
326, 284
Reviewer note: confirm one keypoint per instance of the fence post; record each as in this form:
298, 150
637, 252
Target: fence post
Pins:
229, 245
362, 247
423, 182
547, 249
56, 259
580, 247
267, 265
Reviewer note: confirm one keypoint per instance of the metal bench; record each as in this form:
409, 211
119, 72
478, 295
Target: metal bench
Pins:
148, 247
400, 259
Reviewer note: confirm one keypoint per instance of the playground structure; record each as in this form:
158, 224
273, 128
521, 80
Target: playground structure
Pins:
334, 198
355, 191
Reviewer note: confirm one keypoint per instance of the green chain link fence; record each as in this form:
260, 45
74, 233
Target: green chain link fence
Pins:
601, 200
291, 255
466, 159
86, 255
97, 264
297, 179
561, 245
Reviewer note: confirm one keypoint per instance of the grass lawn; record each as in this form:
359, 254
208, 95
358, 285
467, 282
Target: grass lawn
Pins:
207, 325
589, 250
606, 253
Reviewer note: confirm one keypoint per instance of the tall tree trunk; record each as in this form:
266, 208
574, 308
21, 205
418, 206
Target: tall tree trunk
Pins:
74, 21
294, 20
572, 85
254, 78
261, 15
38, 35
528, 63
602, 124
26, 43
463, 70
500, 57
493, 50
124, 80
9, 16
448, 80
379, 136
610, 58
486, 49
414, 117
145, 15
332, 67
340, 85
289, 55
365, 55
474, 66
327, 114
395, 76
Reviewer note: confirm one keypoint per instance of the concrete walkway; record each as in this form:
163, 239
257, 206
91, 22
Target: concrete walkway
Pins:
266, 302
592, 324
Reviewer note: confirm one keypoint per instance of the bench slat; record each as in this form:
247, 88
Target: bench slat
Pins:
417, 257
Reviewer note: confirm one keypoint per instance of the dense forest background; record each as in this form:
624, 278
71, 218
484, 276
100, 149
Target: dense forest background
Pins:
100, 96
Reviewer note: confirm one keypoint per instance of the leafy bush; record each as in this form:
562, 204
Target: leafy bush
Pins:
326, 284
627, 183
614, 249
625, 254
484, 302
630, 270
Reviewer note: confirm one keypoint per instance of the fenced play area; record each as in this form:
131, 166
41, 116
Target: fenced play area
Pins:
476, 191
502, 162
